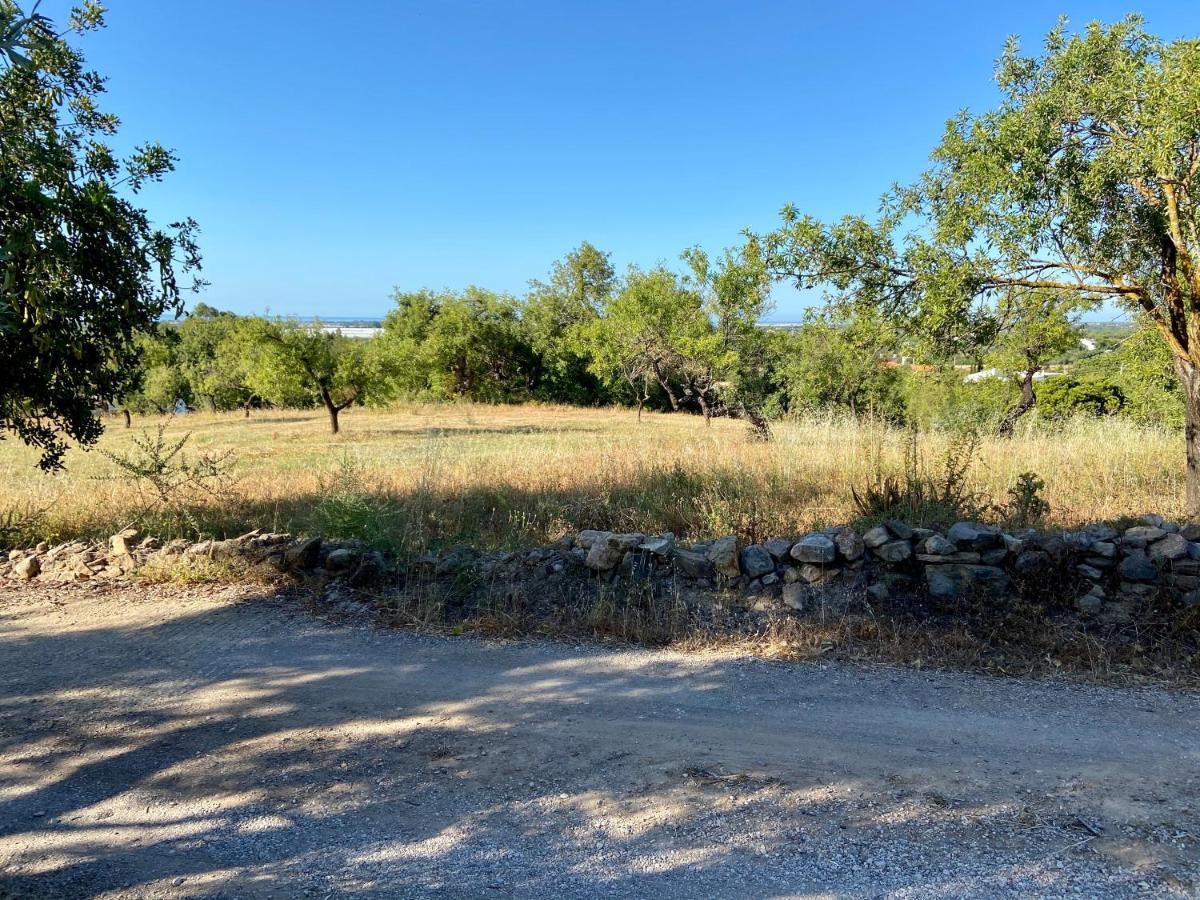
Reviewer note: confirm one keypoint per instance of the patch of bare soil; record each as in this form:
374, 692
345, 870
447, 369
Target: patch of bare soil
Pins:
231, 741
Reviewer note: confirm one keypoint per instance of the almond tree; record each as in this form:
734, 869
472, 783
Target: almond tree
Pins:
1082, 181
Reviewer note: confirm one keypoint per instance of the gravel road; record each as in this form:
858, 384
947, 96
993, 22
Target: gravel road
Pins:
232, 742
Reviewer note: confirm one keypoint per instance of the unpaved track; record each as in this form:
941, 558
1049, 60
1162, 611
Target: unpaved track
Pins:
178, 742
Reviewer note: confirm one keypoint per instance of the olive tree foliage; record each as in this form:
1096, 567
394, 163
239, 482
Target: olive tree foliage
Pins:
212, 358
287, 361
82, 268
556, 316
442, 345
721, 354
163, 384
1082, 181
639, 340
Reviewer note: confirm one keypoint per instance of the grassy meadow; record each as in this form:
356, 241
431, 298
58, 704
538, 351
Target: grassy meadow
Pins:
423, 476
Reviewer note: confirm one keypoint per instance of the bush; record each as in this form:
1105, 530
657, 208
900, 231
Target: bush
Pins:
1064, 398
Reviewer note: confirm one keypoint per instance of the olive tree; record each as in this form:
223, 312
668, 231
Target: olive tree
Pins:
1082, 181
82, 268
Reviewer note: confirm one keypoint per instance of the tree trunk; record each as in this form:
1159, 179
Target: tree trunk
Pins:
246, 408
1189, 377
706, 409
641, 403
128, 418
332, 408
212, 404
1024, 405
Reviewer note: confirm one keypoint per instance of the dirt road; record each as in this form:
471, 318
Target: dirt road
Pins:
227, 742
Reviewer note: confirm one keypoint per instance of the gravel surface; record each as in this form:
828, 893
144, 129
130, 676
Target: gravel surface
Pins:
232, 742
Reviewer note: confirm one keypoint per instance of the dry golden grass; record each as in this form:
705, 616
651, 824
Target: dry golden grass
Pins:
418, 475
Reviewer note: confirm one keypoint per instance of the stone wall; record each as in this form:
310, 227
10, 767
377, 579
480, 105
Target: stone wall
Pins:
1098, 570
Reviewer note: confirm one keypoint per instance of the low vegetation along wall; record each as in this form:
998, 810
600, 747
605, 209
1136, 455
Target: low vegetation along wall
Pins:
1098, 571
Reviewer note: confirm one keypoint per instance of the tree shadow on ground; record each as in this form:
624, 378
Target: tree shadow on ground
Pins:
251, 749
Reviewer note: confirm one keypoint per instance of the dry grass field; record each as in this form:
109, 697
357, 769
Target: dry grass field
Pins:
421, 475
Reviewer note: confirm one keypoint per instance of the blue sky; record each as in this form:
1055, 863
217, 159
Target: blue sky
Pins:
332, 152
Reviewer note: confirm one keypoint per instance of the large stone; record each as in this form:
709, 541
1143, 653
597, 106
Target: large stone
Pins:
894, 551
756, 561
815, 548
849, 544
901, 530
370, 569
1140, 535
659, 545
303, 556
973, 536
723, 554
605, 555
795, 595
1138, 567
690, 564
1169, 548
27, 568
876, 537
587, 537
939, 546
123, 542
1107, 549
779, 548
945, 582
341, 560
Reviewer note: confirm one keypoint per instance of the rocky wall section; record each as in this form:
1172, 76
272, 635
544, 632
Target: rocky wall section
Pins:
1098, 570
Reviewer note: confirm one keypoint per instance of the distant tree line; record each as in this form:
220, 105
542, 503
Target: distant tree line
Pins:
690, 340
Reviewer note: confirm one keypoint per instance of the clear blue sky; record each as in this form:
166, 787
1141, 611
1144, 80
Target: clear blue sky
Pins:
333, 151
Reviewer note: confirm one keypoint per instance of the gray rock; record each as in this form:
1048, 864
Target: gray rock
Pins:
1089, 603
756, 561
993, 557
1012, 544
815, 548
1088, 572
879, 591
947, 582
939, 546
1106, 549
894, 551
723, 554
605, 555
849, 544
27, 568
1154, 520
1191, 598
1190, 531
692, 565
795, 595
876, 537
779, 548
1141, 535
659, 545
791, 574
817, 574
587, 537
901, 530
963, 533
1138, 567
341, 560
1169, 548
770, 579
303, 556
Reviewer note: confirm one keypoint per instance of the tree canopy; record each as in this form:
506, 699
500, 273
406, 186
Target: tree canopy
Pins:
82, 269
1082, 181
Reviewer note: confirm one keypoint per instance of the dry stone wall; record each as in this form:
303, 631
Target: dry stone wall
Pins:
1098, 570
